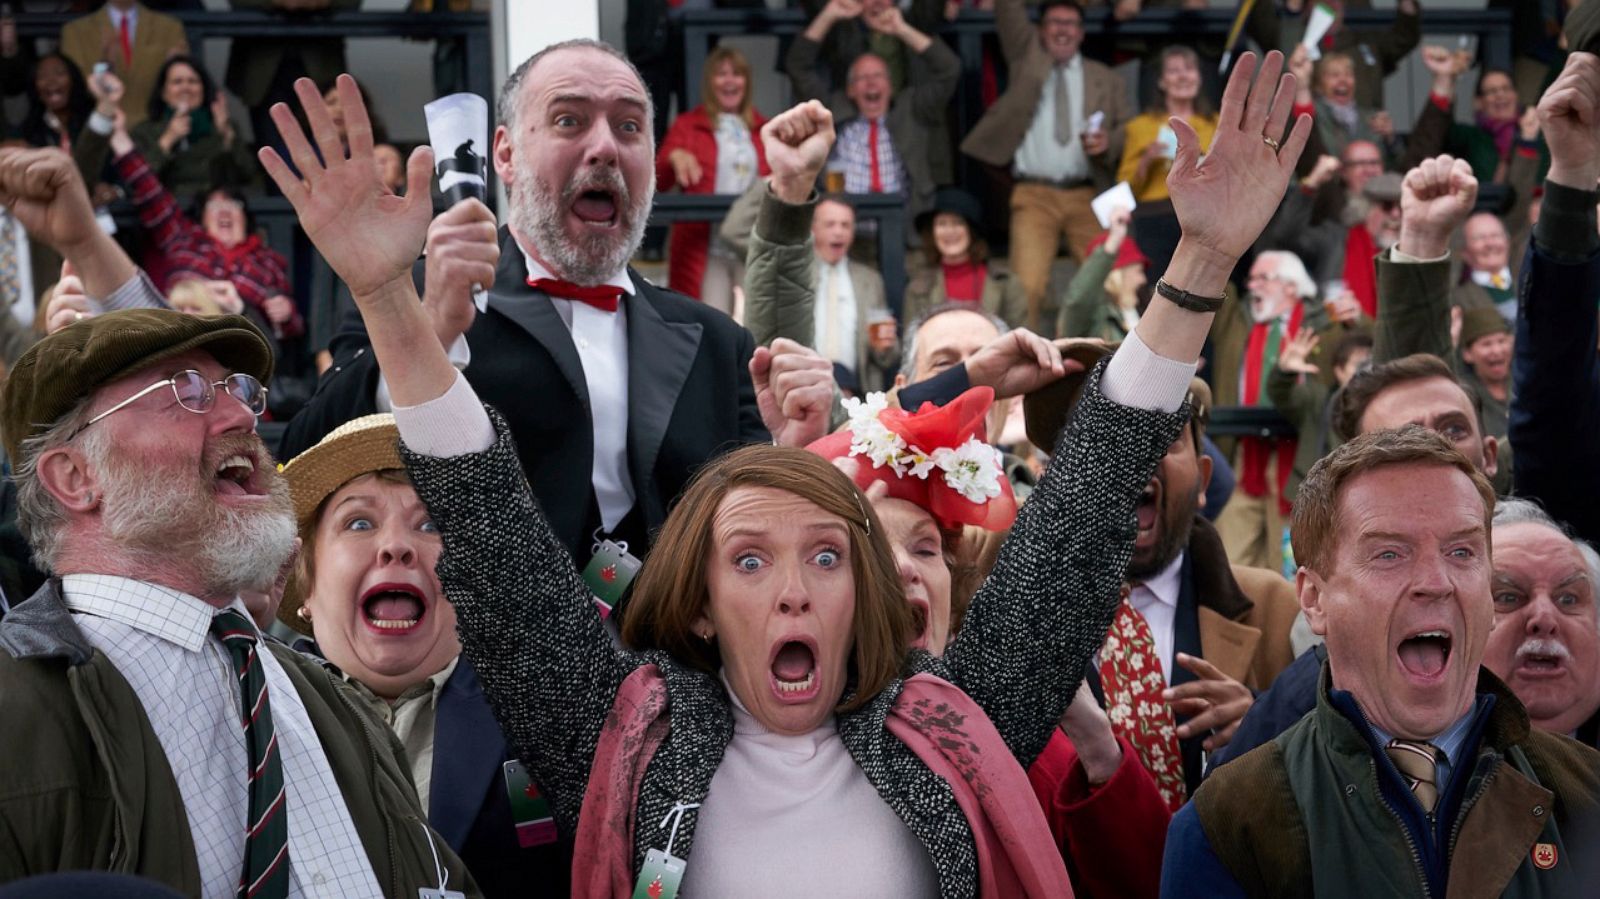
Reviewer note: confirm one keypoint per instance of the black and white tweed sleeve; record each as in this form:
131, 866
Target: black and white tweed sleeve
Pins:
1046, 606
527, 620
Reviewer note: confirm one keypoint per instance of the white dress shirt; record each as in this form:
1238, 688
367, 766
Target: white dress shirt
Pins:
159, 640
835, 335
601, 339
132, 15
1040, 155
1157, 600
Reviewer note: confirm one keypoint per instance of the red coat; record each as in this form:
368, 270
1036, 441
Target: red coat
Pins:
694, 131
1112, 838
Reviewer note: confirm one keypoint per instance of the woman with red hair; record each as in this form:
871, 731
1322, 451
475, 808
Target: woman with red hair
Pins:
711, 149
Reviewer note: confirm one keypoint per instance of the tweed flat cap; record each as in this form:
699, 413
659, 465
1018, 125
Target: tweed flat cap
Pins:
58, 371
1045, 410
1477, 324
1384, 188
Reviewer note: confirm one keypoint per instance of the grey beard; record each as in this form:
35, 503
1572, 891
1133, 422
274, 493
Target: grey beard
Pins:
161, 519
537, 212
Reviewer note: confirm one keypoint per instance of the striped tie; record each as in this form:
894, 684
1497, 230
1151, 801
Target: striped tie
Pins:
1418, 763
266, 839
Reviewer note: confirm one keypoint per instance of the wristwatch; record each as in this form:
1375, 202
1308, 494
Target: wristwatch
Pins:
1186, 300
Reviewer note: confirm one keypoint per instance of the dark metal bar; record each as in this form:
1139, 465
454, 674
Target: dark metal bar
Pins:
1246, 421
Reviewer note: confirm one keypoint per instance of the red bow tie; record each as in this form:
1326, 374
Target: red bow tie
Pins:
604, 297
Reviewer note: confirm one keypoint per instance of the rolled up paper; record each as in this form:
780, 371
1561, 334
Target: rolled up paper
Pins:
458, 129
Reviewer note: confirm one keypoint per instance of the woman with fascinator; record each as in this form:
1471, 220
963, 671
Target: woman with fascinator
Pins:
1105, 813
765, 728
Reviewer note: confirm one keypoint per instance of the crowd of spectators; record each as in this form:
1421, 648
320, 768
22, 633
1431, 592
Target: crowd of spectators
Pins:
974, 587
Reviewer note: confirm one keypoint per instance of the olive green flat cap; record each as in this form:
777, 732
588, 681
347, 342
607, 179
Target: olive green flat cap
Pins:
63, 368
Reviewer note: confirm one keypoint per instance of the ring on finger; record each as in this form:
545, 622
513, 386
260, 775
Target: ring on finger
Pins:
1271, 143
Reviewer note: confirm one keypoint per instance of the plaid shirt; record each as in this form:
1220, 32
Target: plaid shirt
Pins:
854, 151
257, 271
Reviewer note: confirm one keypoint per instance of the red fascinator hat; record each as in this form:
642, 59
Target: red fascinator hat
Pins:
936, 458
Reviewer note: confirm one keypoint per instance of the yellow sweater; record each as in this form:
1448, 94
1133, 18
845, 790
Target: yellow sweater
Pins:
1142, 131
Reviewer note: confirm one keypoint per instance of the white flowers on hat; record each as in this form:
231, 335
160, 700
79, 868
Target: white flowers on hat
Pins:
972, 469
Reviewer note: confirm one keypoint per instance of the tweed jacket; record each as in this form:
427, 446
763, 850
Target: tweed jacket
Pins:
999, 133
91, 39
551, 671
916, 115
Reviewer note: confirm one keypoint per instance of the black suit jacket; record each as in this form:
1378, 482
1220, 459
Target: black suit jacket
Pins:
690, 396
468, 805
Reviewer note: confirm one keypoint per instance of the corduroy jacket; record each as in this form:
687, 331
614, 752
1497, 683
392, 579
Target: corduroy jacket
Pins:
551, 671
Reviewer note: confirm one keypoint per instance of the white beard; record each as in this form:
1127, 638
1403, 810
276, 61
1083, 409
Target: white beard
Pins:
173, 516
538, 212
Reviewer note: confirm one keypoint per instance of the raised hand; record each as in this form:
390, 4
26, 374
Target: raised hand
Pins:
1215, 702
369, 236
1322, 172
1569, 116
1438, 60
68, 303
1382, 124
1295, 356
1435, 198
1245, 173
463, 250
1118, 232
794, 391
888, 20
797, 143
1301, 66
1528, 125
43, 189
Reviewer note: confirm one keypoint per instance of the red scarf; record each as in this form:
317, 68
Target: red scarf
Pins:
232, 255
963, 283
1259, 450
1361, 268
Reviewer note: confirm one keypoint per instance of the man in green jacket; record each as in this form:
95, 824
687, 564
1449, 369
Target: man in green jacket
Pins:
1417, 774
150, 728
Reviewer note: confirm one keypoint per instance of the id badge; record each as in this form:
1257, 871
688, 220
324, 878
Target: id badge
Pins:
661, 875
436, 893
530, 811
609, 573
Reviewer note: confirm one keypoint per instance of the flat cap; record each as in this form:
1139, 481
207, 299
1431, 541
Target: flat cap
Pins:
60, 370
1477, 324
1384, 188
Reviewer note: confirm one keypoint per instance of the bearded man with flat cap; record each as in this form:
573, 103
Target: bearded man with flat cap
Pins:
150, 728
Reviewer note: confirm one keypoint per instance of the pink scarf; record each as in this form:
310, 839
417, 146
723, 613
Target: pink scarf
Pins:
939, 722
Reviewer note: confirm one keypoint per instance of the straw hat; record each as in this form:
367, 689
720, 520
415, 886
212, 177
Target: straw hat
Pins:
361, 446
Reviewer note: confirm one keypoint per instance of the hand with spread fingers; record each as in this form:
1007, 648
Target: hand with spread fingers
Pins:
1017, 362
1215, 703
1249, 165
369, 236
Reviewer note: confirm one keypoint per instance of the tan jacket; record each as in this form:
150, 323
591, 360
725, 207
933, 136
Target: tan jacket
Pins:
156, 37
999, 133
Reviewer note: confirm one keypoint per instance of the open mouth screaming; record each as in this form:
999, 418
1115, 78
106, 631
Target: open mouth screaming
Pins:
1425, 654
393, 608
794, 670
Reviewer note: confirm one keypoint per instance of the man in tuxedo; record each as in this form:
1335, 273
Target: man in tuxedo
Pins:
616, 391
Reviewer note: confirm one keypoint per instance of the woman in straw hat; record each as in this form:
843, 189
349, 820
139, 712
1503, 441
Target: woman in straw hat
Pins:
364, 589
